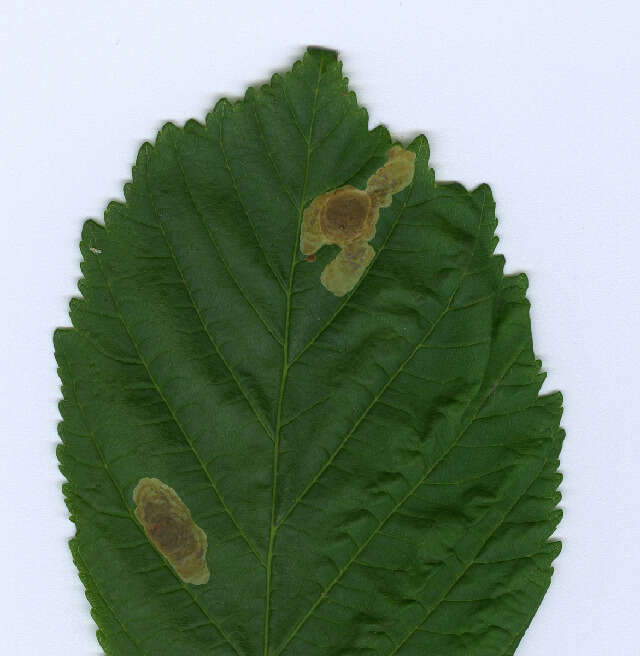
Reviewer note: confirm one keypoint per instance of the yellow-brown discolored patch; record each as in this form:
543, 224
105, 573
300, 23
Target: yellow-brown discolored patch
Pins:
342, 273
347, 217
168, 524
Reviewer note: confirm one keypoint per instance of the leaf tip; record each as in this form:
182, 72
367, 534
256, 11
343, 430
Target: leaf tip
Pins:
322, 51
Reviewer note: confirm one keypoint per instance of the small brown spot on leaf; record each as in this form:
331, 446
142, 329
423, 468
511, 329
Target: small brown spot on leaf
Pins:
168, 524
347, 217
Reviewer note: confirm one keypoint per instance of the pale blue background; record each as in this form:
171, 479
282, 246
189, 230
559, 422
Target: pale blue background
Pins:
540, 99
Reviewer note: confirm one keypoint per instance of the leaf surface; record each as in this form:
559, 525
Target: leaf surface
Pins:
374, 473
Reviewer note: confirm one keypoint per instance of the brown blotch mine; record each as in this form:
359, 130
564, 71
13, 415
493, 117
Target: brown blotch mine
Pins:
347, 217
168, 524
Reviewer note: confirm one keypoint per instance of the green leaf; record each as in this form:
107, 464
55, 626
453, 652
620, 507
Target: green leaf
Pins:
373, 473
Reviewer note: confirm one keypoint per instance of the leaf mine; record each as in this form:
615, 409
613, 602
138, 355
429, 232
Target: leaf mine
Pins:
168, 524
347, 217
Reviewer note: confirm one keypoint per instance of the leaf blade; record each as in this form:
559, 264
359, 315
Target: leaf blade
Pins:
373, 463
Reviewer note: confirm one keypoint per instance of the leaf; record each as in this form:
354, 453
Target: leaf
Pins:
373, 473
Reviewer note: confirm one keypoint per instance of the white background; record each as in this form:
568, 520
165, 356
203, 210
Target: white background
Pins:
540, 99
